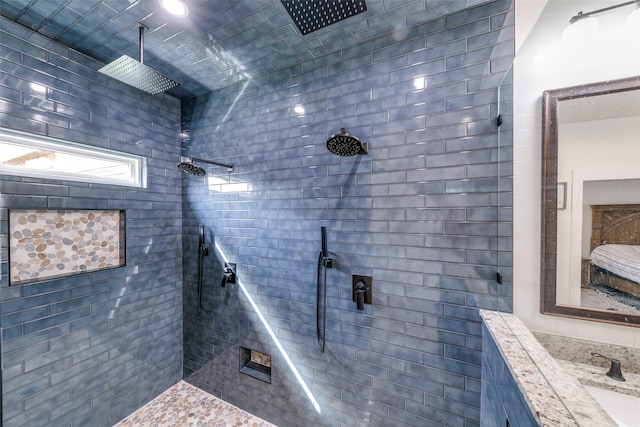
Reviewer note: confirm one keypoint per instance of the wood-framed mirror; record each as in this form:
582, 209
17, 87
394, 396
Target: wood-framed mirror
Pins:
591, 202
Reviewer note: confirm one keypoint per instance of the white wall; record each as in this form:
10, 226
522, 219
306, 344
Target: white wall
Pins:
604, 151
542, 63
526, 12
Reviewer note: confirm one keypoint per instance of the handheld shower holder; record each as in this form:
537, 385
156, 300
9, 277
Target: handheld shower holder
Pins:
203, 250
328, 262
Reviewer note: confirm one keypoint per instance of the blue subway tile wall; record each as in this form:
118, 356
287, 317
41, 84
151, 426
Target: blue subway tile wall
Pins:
419, 214
90, 349
502, 398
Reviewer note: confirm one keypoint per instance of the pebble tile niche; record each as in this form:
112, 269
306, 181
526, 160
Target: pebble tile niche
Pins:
255, 364
47, 244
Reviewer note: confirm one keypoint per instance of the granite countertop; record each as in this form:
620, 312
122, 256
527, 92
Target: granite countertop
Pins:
595, 376
554, 394
579, 350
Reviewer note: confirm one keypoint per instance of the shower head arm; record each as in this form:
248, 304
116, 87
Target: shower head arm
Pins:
141, 28
229, 166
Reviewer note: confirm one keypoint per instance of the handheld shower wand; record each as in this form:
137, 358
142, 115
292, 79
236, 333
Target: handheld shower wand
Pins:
202, 252
324, 262
323, 239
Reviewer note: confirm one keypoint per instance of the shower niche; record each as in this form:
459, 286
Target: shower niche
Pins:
255, 364
47, 244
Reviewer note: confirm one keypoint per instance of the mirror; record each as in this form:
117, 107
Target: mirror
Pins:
591, 202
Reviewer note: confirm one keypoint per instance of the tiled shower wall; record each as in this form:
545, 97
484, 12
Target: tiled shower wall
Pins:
90, 348
502, 398
419, 214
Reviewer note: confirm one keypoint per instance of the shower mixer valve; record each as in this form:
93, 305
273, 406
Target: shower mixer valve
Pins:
229, 274
361, 290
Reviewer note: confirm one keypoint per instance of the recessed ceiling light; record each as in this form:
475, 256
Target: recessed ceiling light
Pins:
175, 7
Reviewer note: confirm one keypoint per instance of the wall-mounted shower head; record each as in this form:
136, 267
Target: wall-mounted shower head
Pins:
345, 144
191, 168
188, 165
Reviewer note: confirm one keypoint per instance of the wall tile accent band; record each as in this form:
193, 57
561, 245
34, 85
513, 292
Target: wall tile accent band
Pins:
52, 243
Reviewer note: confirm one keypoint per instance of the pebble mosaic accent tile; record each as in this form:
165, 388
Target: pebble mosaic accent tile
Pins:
186, 405
51, 243
261, 358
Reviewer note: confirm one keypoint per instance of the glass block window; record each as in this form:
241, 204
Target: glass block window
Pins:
26, 154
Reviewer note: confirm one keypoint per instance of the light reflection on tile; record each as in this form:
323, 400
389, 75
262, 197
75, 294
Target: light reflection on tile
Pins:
186, 405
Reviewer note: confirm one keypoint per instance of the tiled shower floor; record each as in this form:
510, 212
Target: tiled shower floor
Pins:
186, 405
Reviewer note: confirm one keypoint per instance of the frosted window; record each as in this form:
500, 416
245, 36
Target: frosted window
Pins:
26, 154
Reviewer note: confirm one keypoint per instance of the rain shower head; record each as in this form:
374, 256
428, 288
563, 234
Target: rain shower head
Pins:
191, 168
188, 165
345, 144
136, 74
311, 15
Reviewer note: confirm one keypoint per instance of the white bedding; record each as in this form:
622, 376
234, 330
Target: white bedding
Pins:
622, 260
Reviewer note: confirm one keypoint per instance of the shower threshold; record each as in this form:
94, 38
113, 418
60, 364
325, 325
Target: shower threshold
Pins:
186, 405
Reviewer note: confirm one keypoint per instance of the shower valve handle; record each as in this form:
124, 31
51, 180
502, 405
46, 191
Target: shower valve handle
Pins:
359, 290
228, 274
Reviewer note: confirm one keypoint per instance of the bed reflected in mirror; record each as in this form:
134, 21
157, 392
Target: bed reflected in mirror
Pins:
591, 229
610, 274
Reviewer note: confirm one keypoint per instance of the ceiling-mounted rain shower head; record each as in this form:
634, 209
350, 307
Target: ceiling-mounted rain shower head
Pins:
311, 15
188, 165
136, 74
345, 144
